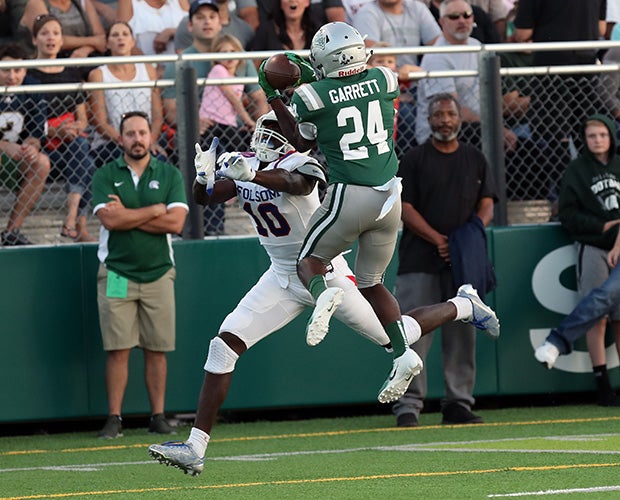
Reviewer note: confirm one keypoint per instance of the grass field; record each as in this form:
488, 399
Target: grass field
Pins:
563, 452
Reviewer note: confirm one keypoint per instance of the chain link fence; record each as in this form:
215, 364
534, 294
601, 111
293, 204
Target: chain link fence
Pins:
542, 113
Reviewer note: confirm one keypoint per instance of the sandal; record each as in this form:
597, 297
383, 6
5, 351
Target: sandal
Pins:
84, 238
68, 232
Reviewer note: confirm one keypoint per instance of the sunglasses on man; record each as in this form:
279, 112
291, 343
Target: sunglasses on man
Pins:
457, 15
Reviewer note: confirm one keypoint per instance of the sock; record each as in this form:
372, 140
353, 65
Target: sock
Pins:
317, 285
464, 308
413, 330
396, 332
198, 440
606, 395
601, 377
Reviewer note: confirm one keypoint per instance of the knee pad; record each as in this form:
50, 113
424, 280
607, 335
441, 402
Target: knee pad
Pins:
221, 358
413, 332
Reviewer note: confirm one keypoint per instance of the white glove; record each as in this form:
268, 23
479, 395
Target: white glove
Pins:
204, 162
234, 166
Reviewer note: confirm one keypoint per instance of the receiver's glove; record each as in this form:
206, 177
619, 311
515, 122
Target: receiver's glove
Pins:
307, 71
269, 91
204, 162
234, 166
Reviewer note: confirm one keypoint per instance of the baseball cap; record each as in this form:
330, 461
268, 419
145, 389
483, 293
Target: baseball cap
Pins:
196, 4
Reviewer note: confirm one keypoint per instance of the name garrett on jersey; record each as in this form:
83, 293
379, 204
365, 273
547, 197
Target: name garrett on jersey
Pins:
354, 91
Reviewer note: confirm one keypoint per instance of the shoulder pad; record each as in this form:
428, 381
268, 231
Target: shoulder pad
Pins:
312, 168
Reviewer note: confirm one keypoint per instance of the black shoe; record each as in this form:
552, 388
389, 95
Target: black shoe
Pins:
112, 428
608, 399
14, 238
456, 414
159, 425
407, 420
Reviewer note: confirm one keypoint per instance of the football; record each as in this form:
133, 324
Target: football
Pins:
280, 72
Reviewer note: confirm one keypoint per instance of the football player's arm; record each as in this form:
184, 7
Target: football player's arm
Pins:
170, 222
284, 181
114, 216
223, 190
289, 127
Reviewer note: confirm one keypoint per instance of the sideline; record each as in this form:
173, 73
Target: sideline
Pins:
305, 435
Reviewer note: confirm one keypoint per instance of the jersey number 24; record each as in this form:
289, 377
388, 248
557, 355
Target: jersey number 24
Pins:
374, 131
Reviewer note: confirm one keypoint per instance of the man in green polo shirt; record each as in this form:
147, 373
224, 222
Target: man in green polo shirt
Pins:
140, 202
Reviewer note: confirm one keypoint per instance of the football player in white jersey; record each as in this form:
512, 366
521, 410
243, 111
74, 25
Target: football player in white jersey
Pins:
279, 188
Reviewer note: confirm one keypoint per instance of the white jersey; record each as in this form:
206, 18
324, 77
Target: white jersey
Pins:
280, 219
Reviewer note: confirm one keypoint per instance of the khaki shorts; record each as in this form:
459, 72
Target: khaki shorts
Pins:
146, 318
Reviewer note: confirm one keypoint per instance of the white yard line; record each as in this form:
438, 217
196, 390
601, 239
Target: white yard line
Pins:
595, 489
413, 447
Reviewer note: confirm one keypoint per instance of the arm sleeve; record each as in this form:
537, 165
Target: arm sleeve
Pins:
177, 189
488, 187
525, 15
101, 187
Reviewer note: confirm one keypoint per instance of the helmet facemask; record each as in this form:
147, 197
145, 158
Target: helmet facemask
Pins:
267, 142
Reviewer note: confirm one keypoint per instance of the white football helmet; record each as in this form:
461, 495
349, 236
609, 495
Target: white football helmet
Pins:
338, 50
268, 144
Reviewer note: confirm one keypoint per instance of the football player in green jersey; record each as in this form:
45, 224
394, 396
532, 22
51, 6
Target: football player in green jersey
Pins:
348, 111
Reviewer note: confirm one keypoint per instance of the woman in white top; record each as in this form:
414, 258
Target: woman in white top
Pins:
154, 22
107, 106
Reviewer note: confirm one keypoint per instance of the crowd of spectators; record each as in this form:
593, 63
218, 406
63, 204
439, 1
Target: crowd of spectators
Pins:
541, 114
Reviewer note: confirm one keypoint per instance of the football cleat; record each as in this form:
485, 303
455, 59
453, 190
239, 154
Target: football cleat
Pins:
547, 354
406, 366
483, 316
326, 305
178, 454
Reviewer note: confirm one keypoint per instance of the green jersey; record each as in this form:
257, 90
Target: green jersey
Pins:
352, 120
135, 254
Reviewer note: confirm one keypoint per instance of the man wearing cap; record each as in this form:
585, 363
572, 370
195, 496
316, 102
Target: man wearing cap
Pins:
205, 24
232, 23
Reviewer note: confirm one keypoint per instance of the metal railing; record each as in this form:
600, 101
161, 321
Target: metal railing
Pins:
527, 177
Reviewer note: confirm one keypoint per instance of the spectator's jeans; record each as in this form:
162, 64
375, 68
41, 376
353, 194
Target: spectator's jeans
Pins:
74, 160
598, 303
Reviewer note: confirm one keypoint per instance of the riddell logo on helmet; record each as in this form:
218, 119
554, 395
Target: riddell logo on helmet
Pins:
350, 72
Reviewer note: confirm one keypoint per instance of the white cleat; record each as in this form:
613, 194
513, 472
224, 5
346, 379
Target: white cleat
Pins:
484, 317
179, 455
326, 305
547, 354
406, 366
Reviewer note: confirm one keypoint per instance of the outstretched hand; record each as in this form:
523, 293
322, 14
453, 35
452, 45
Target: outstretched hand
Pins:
234, 166
204, 162
307, 71
269, 91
